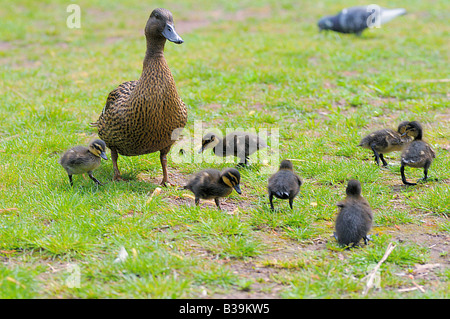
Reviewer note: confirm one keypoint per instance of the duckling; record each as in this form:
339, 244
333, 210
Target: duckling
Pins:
355, 217
417, 154
212, 183
239, 144
142, 116
284, 184
80, 159
385, 141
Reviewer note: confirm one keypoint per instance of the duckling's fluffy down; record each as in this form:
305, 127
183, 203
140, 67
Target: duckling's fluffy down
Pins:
78, 160
207, 184
417, 154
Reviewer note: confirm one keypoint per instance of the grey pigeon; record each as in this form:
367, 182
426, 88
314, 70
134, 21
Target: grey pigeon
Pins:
356, 19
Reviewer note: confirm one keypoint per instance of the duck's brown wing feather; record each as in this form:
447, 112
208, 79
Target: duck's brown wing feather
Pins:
119, 95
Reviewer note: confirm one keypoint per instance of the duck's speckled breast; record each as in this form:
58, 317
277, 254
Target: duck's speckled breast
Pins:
144, 123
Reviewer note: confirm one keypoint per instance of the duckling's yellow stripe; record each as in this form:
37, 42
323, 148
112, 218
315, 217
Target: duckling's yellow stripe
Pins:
227, 181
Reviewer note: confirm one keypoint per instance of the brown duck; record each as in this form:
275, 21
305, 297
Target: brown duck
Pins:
385, 141
418, 153
80, 159
212, 183
238, 144
141, 117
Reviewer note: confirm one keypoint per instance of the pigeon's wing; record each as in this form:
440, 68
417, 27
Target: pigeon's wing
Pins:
354, 19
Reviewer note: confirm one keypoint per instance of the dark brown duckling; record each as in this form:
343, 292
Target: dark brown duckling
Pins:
80, 159
284, 184
355, 217
141, 117
239, 144
385, 141
214, 184
417, 154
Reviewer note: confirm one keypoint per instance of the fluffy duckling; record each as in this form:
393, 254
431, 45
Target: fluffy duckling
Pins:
355, 217
417, 154
385, 141
80, 159
284, 184
212, 183
239, 144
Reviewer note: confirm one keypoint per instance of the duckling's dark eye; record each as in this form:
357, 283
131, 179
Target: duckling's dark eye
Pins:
233, 179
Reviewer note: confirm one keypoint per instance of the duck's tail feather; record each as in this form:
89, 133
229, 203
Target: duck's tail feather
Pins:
282, 194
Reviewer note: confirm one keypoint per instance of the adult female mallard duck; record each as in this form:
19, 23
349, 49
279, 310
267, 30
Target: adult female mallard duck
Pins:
417, 154
239, 144
141, 117
80, 159
385, 141
214, 184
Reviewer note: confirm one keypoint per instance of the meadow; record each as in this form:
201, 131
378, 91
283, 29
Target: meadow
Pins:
255, 65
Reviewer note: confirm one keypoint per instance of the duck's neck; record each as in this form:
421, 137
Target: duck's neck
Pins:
155, 79
219, 148
155, 71
155, 50
354, 196
419, 136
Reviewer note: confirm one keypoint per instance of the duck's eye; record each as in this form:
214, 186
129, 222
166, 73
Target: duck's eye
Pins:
233, 179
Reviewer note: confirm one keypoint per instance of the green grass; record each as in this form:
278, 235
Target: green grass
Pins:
258, 66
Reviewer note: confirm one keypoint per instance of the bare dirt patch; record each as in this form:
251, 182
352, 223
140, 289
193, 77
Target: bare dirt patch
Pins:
263, 272
426, 236
226, 204
175, 177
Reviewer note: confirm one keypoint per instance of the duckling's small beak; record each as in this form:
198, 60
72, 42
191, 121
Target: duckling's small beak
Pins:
238, 189
404, 134
201, 149
103, 155
170, 34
